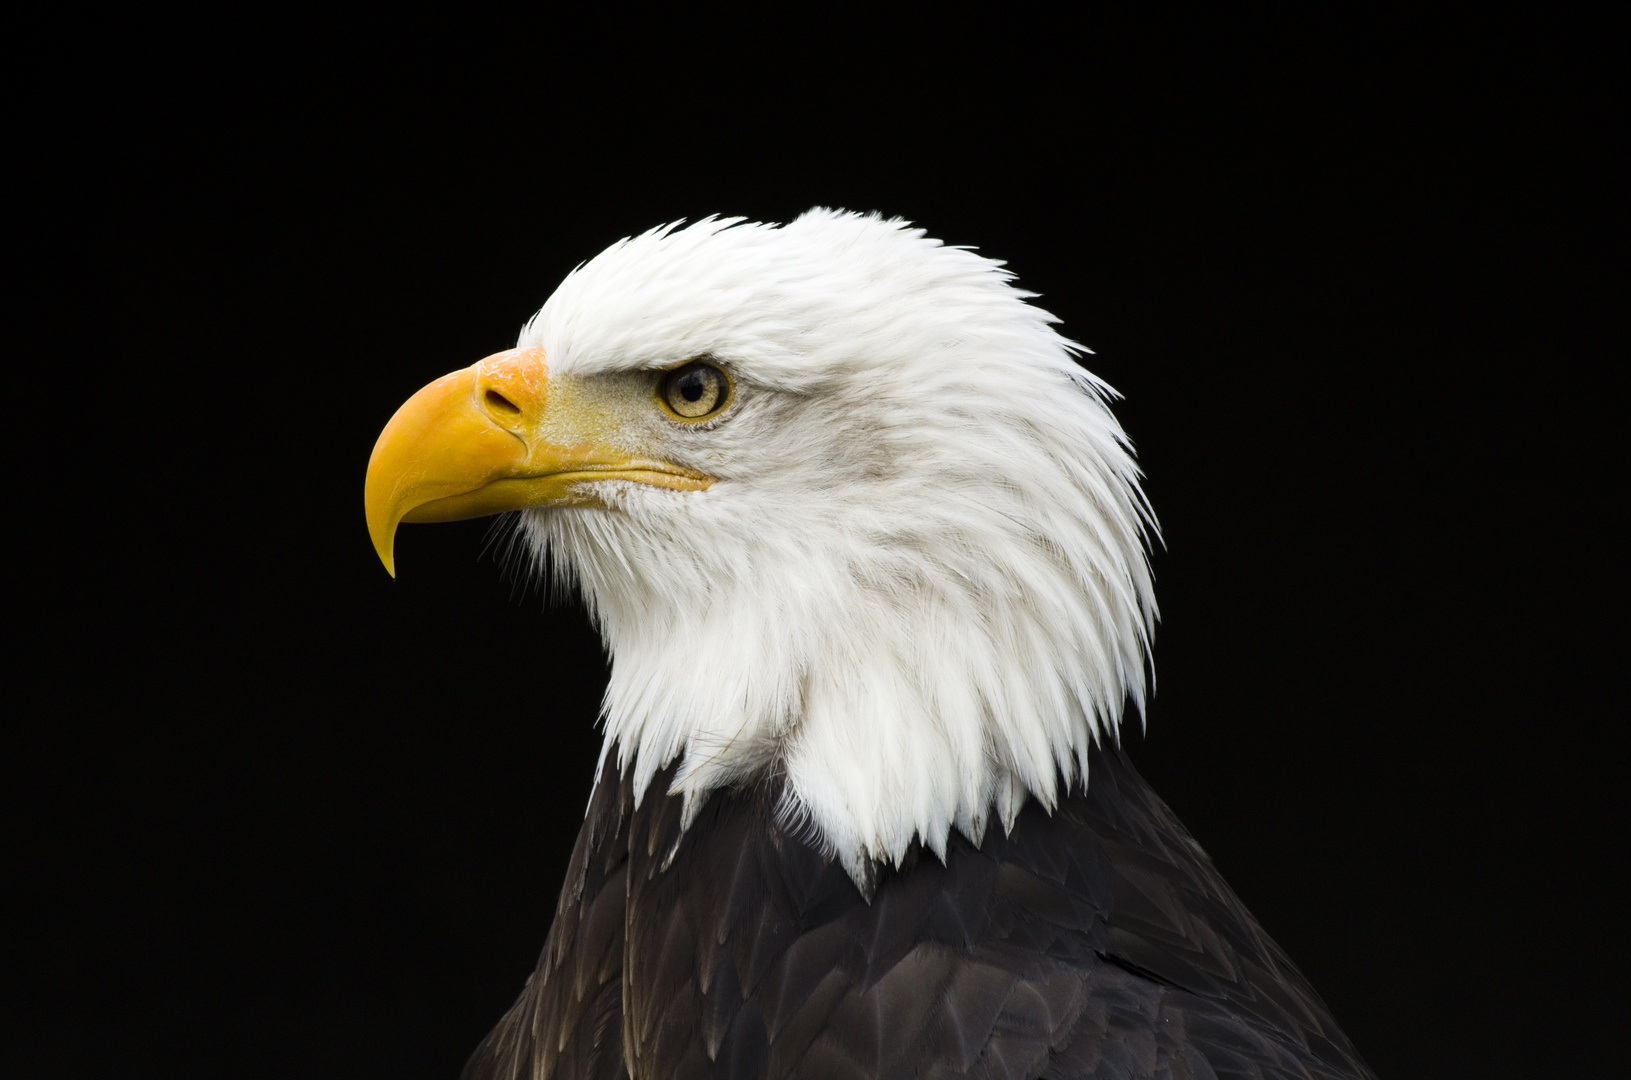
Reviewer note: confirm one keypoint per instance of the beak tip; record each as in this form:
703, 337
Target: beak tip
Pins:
384, 547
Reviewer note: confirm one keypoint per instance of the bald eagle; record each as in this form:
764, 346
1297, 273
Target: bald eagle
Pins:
869, 554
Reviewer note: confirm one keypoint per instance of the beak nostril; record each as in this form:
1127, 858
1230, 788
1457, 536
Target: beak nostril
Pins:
501, 404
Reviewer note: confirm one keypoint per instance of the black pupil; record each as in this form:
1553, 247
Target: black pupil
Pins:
692, 384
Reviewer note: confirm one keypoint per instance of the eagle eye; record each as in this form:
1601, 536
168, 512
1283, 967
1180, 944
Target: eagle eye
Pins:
695, 391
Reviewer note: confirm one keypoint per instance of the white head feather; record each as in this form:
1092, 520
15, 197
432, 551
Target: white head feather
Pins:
920, 586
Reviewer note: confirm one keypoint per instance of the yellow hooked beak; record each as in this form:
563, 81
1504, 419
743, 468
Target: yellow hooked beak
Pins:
498, 436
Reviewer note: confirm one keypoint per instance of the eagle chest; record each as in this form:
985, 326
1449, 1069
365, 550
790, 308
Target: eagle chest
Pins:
1080, 944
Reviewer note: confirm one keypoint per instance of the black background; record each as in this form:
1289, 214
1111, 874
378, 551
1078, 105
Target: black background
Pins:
278, 815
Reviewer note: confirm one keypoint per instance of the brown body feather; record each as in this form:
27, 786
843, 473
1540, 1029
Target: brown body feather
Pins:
1097, 941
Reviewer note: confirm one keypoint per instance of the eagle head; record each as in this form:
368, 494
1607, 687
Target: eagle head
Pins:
843, 505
